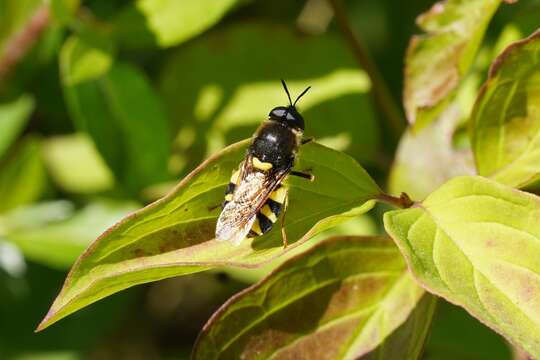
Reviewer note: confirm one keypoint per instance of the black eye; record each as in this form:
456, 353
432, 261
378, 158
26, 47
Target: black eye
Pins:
278, 113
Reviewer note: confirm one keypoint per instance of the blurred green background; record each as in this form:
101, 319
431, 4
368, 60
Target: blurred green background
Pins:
105, 105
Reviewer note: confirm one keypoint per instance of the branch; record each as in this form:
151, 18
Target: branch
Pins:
402, 202
21, 42
382, 95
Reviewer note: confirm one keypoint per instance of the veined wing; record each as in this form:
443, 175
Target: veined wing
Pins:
238, 216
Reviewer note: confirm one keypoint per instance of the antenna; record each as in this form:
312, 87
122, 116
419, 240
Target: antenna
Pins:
287, 91
302, 94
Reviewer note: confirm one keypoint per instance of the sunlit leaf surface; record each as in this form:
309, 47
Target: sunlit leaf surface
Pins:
75, 165
345, 298
477, 243
506, 117
174, 236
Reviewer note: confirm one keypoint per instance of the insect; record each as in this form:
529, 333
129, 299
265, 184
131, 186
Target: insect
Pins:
256, 194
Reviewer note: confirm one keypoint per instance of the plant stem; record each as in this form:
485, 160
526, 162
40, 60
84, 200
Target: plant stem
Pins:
402, 202
391, 112
21, 42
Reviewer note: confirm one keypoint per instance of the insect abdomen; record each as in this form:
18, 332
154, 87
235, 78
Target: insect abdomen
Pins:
269, 213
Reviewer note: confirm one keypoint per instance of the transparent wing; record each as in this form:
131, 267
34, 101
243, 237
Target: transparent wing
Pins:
237, 217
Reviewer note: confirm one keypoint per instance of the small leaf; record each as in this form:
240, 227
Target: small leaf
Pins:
114, 103
13, 118
506, 117
59, 242
476, 243
171, 22
75, 165
353, 290
437, 61
22, 176
174, 236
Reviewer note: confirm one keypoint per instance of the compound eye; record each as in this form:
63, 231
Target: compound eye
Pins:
290, 117
278, 113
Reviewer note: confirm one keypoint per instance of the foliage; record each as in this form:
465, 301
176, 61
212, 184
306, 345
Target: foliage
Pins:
104, 106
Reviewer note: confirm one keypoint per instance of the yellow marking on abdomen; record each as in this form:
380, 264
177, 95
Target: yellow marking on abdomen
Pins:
256, 228
258, 164
228, 197
266, 211
279, 195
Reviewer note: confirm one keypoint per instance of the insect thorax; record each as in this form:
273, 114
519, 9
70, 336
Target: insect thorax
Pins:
275, 143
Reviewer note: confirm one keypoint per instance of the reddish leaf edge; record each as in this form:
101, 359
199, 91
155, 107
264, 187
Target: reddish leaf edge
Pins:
494, 68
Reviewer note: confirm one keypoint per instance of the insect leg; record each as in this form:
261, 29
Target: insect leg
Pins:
282, 223
306, 141
304, 175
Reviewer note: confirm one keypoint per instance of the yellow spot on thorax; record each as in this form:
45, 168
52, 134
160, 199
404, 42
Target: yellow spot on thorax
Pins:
258, 164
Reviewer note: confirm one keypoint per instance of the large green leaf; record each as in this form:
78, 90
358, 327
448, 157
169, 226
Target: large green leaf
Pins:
175, 235
59, 242
22, 176
230, 82
116, 105
506, 119
437, 61
477, 243
13, 118
353, 290
169, 22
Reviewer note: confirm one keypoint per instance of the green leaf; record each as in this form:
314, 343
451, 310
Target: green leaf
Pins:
170, 22
22, 176
114, 103
506, 118
225, 95
75, 164
353, 290
174, 236
476, 243
13, 118
59, 242
437, 61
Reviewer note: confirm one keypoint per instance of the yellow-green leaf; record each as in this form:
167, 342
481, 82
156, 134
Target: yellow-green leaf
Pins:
437, 61
175, 235
355, 291
506, 118
476, 243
